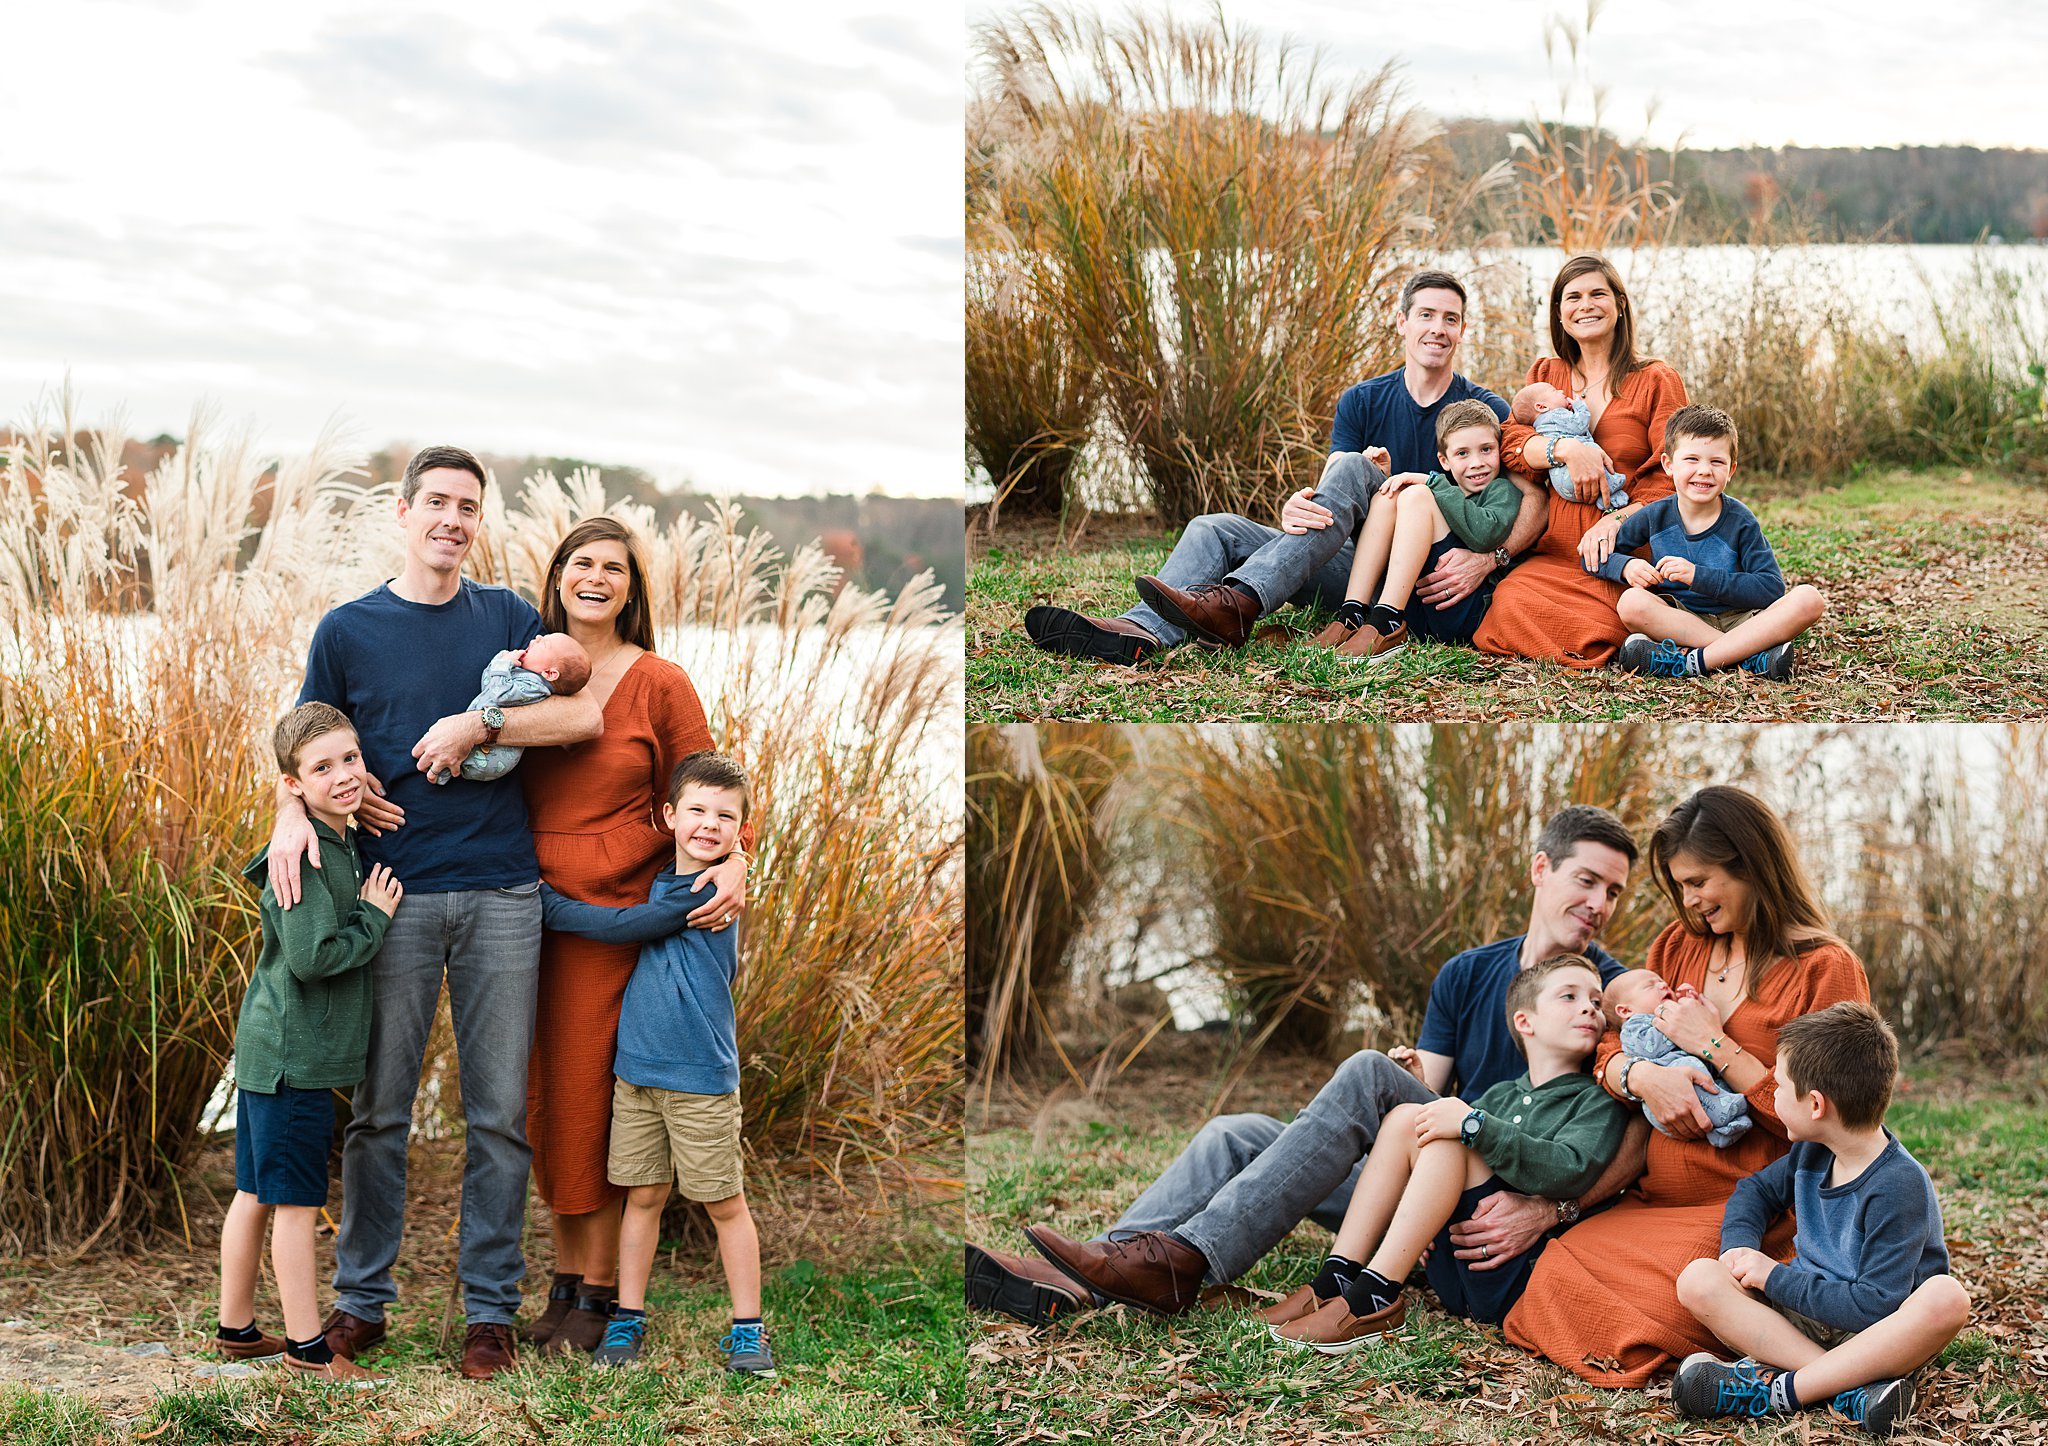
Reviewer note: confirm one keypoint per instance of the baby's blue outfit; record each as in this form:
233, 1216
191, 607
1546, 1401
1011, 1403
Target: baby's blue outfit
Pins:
1727, 1112
1573, 421
505, 685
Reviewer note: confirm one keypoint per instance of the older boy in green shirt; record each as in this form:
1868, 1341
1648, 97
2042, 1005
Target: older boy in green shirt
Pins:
304, 1031
1549, 1133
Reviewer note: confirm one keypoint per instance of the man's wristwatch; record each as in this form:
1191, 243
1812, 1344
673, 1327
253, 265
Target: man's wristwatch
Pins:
1468, 1128
494, 719
1502, 558
1567, 1211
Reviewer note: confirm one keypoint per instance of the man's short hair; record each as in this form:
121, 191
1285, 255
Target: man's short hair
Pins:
1704, 422
428, 459
1579, 823
1525, 986
1459, 415
1429, 281
300, 727
1849, 1054
713, 770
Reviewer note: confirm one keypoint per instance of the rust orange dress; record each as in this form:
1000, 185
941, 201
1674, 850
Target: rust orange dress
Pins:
1603, 1301
595, 812
1549, 606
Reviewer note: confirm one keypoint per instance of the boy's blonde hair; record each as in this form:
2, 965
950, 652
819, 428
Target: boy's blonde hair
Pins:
1849, 1054
1459, 415
300, 727
1525, 986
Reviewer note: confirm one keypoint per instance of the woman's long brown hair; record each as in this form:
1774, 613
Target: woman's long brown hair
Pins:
1622, 358
1737, 831
635, 622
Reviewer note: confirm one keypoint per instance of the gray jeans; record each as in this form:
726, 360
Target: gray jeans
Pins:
487, 942
1279, 566
1244, 1181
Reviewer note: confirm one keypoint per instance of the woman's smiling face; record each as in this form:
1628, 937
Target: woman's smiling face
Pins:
597, 582
1589, 307
1718, 899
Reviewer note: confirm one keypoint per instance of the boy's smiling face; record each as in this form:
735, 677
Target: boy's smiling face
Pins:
1471, 457
1567, 1015
330, 777
1700, 467
706, 822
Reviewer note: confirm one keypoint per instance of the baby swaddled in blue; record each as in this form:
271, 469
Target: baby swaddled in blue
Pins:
1553, 414
552, 665
1629, 999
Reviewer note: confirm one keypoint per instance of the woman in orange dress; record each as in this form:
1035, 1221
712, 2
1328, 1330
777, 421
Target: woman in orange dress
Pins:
594, 810
1549, 606
1603, 1301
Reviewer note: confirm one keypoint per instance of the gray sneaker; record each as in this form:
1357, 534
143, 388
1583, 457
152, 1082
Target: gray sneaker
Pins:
621, 1344
746, 1351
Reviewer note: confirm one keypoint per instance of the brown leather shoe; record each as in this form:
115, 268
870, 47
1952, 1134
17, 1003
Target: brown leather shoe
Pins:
341, 1370
1215, 612
1335, 635
486, 1350
583, 1327
561, 1298
1335, 1331
1076, 635
1148, 1269
1304, 1301
1028, 1290
263, 1348
349, 1336
1370, 645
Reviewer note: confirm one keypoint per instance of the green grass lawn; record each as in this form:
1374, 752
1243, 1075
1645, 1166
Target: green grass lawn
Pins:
1937, 587
1121, 1376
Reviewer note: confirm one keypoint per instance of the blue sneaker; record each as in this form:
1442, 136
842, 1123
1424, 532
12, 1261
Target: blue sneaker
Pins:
746, 1352
1879, 1406
622, 1338
1773, 663
1658, 657
1707, 1386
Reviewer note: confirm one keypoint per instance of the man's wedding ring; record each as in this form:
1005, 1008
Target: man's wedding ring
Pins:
1482, 1252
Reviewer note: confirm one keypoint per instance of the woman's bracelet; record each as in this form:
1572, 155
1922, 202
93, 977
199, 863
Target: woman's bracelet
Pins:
1550, 451
1626, 1093
1707, 1050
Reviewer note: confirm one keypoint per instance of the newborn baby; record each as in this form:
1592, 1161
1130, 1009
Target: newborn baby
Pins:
1630, 1003
553, 663
1553, 414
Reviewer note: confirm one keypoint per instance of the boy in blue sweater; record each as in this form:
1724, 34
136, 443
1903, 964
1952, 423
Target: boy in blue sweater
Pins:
1866, 1299
1710, 596
676, 1102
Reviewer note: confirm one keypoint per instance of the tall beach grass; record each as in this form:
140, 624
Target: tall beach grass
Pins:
151, 631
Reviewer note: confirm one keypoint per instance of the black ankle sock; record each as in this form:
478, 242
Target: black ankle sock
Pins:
316, 1350
1383, 618
1783, 1384
1177, 1237
1352, 615
746, 1320
627, 1312
1335, 1277
1248, 592
240, 1337
1371, 1291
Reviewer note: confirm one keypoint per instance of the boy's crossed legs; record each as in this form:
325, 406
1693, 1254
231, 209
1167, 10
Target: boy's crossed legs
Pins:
1888, 1351
1650, 614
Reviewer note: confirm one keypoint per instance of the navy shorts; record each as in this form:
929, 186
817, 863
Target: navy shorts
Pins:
1449, 625
1482, 1295
282, 1143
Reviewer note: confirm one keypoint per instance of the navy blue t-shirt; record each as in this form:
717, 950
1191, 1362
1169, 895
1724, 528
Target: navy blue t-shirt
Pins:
395, 667
1380, 413
1467, 1017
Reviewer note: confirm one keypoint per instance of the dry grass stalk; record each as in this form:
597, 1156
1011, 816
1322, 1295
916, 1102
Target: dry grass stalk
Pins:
1040, 802
1221, 222
134, 784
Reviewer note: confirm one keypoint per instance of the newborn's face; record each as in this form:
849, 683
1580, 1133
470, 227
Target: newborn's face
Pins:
1546, 396
1635, 991
548, 653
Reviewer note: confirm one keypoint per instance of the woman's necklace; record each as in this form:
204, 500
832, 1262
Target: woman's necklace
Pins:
597, 670
1729, 963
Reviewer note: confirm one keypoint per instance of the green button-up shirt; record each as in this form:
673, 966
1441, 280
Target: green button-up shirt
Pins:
1551, 1139
306, 1018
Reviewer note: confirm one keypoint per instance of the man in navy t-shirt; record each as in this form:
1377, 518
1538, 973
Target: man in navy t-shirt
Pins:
1245, 1181
402, 661
1226, 571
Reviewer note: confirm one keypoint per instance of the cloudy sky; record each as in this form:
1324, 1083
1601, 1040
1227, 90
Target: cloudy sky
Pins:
719, 241
1726, 73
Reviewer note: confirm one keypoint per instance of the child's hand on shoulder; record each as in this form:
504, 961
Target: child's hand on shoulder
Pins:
1676, 569
381, 891
1440, 1119
1749, 1267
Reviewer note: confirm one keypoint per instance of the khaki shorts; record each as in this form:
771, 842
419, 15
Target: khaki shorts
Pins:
662, 1135
1827, 1337
1726, 622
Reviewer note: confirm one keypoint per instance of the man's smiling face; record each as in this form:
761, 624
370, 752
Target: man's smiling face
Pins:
1431, 328
1576, 895
442, 519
